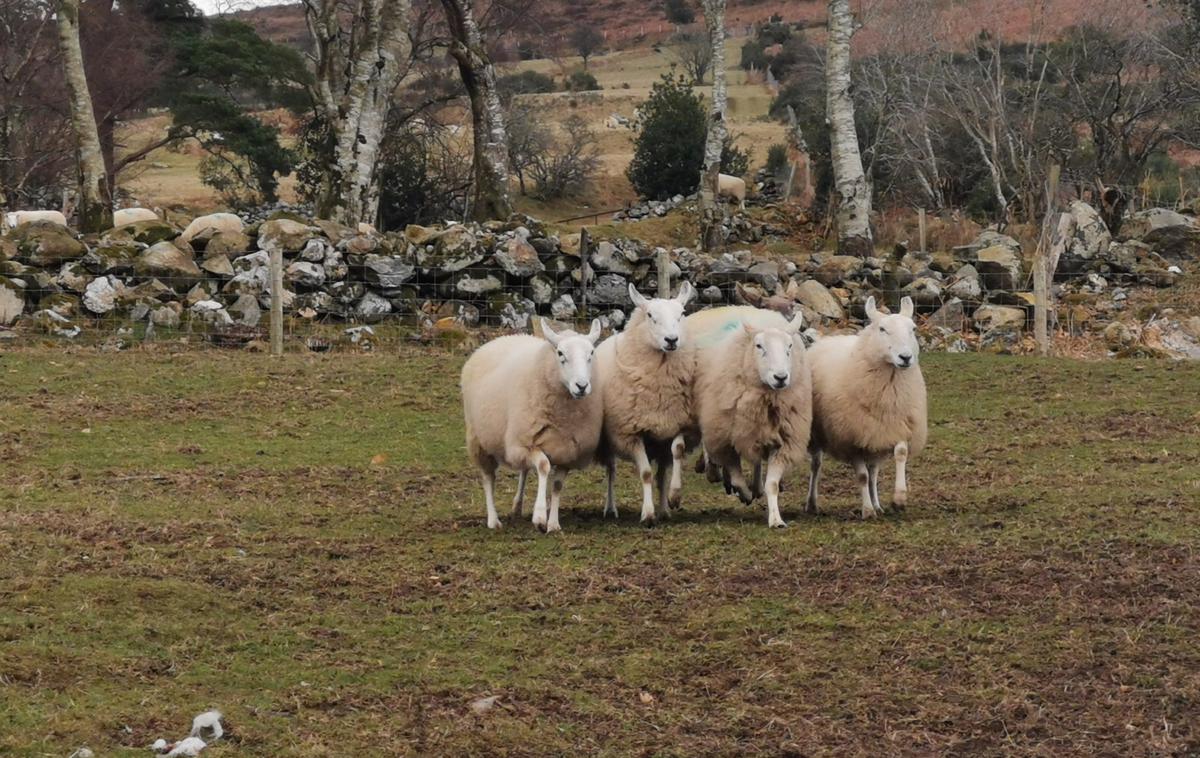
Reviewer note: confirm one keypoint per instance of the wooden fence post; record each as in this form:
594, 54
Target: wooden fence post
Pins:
664, 273
277, 302
584, 269
1041, 269
921, 222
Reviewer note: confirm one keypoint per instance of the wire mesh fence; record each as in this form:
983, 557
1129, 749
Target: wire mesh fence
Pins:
341, 289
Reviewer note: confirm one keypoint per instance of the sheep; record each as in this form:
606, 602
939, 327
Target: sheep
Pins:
646, 374
529, 403
707, 329
132, 216
754, 402
16, 218
869, 402
734, 187
214, 222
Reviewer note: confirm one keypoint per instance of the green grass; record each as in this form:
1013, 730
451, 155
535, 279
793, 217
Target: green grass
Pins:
225, 535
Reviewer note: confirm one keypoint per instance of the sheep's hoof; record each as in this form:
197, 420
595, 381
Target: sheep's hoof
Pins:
780, 524
539, 520
674, 498
811, 507
552, 528
899, 499
746, 496
650, 520
612, 513
868, 513
495, 524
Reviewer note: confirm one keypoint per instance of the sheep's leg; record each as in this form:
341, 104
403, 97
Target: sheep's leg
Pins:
660, 484
702, 462
542, 464
643, 464
610, 498
864, 484
738, 481
757, 487
519, 498
726, 480
900, 494
814, 479
712, 472
558, 480
488, 471
677, 448
873, 470
774, 476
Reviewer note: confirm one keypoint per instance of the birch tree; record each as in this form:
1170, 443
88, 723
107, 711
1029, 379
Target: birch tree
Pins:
95, 197
852, 191
490, 197
358, 66
711, 207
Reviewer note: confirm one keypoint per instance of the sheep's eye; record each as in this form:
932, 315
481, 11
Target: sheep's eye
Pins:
881, 329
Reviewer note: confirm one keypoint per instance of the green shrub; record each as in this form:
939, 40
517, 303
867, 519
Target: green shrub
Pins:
582, 81
777, 159
669, 147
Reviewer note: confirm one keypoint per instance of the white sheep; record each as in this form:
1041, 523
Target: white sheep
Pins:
706, 330
869, 402
132, 216
646, 374
212, 223
754, 402
529, 403
15, 218
732, 186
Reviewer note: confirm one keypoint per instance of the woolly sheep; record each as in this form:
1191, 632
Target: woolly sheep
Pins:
646, 374
754, 402
529, 403
734, 187
706, 330
869, 402
216, 222
16, 218
132, 216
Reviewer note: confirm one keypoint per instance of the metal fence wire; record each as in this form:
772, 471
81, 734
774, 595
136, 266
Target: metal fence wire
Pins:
341, 289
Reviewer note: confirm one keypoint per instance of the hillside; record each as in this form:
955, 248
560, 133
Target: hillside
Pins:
632, 23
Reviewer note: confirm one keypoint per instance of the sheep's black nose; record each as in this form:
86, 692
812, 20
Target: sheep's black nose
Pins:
781, 377
672, 342
581, 387
906, 358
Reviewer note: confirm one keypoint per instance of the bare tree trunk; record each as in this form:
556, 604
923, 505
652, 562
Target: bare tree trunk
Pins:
95, 197
356, 112
853, 201
712, 209
491, 170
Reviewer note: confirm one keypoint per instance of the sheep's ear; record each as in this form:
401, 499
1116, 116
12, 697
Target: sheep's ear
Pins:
872, 314
637, 298
548, 332
594, 333
796, 324
748, 329
686, 291
906, 307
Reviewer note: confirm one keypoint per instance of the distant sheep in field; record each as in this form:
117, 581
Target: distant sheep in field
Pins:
869, 402
211, 224
132, 216
646, 374
14, 219
732, 187
530, 403
754, 402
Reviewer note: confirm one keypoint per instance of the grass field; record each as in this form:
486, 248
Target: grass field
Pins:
300, 543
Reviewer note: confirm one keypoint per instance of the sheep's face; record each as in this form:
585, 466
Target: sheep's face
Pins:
773, 352
664, 317
574, 355
893, 338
